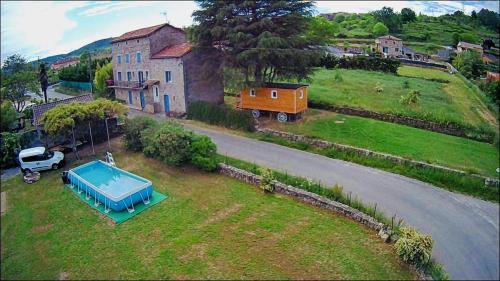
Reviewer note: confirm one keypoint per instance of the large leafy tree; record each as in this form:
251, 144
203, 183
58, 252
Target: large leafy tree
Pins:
380, 29
387, 16
263, 39
470, 64
18, 79
408, 15
321, 30
102, 74
44, 80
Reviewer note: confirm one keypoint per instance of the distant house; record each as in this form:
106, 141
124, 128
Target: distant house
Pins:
489, 58
342, 52
408, 53
157, 71
64, 63
465, 46
443, 54
390, 46
492, 76
288, 100
328, 16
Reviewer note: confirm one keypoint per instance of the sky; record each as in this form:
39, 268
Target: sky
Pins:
43, 28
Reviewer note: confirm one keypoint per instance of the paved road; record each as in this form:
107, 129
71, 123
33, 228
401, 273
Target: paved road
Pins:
51, 94
466, 230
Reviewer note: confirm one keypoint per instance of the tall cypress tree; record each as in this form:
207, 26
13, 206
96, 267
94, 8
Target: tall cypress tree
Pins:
263, 39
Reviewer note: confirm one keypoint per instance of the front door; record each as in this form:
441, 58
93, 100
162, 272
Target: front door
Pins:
143, 100
129, 97
166, 103
156, 94
141, 77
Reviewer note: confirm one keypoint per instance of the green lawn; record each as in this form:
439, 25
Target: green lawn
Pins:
210, 227
408, 142
442, 102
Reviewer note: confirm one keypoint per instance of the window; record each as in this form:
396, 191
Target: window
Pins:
129, 76
252, 92
274, 94
119, 76
141, 76
129, 97
147, 75
168, 76
397, 49
301, 95
385, 49
119, 59
127, 58
137, 40
138, 57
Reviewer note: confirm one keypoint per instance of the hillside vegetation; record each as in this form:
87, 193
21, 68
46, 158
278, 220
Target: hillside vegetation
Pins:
443, 98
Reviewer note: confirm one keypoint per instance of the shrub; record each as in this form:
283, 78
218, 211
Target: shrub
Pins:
267, 180
338, 76
414, 247
406, 84
378, 88
220, 115
411, 98
9, 143
170, 143
203, 153
337, 192
8, 116
361, 62
133, 131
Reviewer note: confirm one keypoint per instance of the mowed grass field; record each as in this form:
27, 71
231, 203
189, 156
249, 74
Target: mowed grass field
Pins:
442, 102
210, 227
408, 142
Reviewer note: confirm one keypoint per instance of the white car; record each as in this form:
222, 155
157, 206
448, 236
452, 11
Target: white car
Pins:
38, 159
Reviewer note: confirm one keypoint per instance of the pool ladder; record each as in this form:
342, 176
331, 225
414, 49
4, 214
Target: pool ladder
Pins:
109, 159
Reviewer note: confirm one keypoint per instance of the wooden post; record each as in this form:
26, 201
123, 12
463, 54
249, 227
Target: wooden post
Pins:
74, 143
91, 139
107, 132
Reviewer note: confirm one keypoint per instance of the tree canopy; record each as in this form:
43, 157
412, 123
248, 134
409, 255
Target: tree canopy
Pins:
101, 75
380, 29
470, 64
18, 79
390, 19
62, 118
263, 39
321, 30
408, 15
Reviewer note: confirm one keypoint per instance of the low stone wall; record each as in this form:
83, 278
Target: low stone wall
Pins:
304, 196
448, 129
365, 152
423, 64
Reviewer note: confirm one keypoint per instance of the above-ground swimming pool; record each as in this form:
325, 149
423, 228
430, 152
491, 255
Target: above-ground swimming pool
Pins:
117, 189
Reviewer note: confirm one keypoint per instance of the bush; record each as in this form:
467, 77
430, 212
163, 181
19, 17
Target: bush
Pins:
406, 84
9, 143
8, 116
133, 131
413, 247
361, 62
379, 88
412, 97
267, 180
170, 143
220, 115
203, 153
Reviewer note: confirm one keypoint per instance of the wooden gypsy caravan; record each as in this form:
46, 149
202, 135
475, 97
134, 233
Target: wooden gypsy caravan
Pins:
287, 101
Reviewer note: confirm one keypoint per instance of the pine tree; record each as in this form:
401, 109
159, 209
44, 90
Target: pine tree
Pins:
263, 39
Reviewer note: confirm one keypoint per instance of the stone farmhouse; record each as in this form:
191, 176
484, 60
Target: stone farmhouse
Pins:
389, 46
157, 71
64, 63
465, 46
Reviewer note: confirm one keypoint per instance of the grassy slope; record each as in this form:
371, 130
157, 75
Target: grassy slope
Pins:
439, 101
210, 227
398, 140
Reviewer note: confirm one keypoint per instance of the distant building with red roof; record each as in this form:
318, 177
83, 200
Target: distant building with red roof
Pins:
156, 70
64, 63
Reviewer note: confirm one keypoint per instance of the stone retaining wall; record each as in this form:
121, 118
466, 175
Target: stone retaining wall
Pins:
365, 152
448, 129
304, 196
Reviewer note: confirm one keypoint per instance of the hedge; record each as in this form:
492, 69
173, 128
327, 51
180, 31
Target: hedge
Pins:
361, 62
221, 115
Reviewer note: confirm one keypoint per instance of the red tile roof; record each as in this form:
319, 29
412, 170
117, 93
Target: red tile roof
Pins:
143, 32
173, 51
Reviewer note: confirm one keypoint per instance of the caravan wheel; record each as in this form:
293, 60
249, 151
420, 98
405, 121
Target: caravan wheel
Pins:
282, 117
255, 113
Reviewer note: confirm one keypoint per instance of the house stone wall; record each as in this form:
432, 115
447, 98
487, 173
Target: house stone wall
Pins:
203, 82
164, 37
174, 89
391, 45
